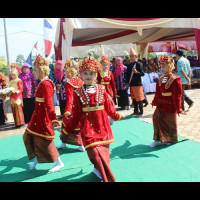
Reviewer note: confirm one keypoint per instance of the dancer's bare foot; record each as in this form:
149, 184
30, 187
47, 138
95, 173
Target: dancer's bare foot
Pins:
61, 146
33, 165
59, 164
81, 148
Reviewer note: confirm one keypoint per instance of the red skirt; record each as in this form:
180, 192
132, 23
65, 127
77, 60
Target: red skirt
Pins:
44, 150
165, 126
100, 157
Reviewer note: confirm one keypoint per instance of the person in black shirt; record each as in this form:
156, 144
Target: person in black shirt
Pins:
134, 81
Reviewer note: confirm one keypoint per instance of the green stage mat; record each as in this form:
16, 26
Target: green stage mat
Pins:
132, 160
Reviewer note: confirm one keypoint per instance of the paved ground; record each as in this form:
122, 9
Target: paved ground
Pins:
188, 126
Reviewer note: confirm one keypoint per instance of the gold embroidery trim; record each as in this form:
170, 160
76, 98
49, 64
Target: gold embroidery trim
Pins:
101, 142
39, 99
167, 94
38, 134
105, 83
55, 121
64, 132
88, 109
119, 118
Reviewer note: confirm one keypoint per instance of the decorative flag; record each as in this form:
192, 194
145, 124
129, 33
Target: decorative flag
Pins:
35, 46
29, 60
47, 35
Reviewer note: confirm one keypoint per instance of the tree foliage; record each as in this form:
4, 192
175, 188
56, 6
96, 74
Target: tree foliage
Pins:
3, 65
20, 60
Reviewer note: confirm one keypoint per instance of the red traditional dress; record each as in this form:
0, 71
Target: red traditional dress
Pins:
16, 101
70, 87
92, 111
107, 79
168, 102
39, 134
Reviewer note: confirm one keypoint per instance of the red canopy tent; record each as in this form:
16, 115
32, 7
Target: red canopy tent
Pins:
91, 31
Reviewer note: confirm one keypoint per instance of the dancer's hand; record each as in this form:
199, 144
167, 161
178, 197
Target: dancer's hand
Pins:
127, 85
67, 114
183, 113
57, 124
117, 96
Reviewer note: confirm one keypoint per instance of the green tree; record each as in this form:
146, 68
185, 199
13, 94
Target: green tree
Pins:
53, 58
3, 65
20, 60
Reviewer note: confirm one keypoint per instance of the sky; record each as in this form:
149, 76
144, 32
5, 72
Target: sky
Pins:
23, 33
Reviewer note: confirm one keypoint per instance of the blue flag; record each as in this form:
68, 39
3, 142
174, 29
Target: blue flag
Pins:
29, 60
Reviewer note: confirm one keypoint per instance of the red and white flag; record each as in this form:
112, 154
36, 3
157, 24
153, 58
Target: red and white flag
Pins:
35, 46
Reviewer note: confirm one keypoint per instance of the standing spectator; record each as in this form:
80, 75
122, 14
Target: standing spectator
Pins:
120, 81
60, 81
194, 62
152, 65
76, 59
113, 64
29, 87
184, 71
133, 80
51, 73
31, 69
3, 116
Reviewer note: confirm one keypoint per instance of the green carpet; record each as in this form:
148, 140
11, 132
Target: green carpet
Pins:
131, 159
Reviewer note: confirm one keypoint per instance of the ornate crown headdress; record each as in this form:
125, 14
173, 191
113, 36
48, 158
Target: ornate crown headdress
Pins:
41, 61
105, 60
89, 65
167, 61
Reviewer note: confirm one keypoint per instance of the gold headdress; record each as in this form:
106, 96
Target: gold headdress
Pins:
167, 61
42, 64
72, 67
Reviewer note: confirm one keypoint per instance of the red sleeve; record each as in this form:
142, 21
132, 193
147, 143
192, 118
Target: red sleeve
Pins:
72, 121
157, 94
20, 86
177, 94
98, 78
69, 91
109, 107
34, 83
112, 84
48, 99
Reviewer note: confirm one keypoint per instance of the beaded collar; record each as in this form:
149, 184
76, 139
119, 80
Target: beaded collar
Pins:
83, 94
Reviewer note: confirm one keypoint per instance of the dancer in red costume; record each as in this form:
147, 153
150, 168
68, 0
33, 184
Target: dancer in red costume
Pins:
92, 106
168, 102
106, 78
16, 100
73, 83
39, 135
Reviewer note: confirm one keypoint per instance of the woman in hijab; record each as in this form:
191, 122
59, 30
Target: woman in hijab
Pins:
29, 87
60, 81
120, 81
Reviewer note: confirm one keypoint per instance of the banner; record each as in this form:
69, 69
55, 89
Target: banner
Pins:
171, 47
